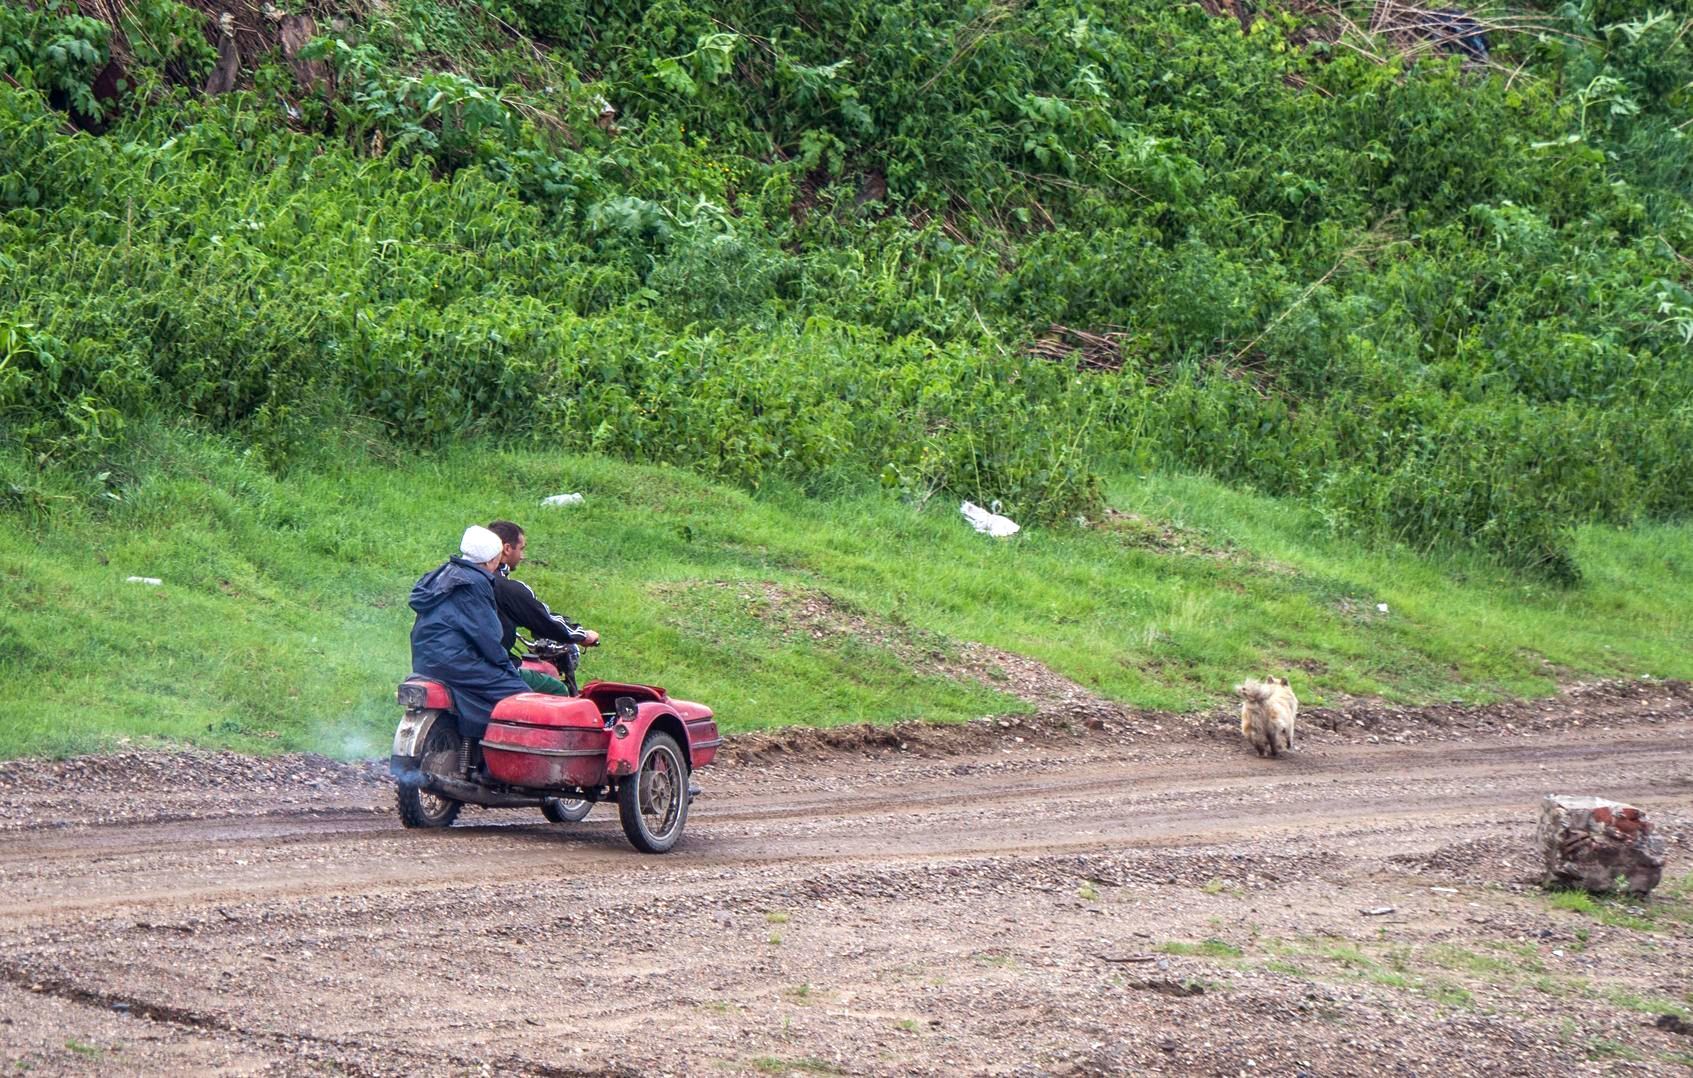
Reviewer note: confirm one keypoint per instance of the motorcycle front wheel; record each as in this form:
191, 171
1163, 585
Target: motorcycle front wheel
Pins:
653, 802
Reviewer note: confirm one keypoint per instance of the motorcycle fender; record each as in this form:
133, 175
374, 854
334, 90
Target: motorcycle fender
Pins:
624, 753
413, 729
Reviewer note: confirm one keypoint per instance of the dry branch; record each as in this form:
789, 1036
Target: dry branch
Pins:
1089, 351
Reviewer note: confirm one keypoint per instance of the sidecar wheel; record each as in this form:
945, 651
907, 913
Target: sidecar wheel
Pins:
439, 754
653, 802
566, 809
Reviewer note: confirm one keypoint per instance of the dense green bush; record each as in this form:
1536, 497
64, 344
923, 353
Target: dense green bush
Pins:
55, 48
1450, 306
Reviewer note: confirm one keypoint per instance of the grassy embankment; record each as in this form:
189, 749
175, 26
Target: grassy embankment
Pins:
282, 621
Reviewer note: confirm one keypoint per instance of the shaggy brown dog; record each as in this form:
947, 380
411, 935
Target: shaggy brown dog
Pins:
1267, 711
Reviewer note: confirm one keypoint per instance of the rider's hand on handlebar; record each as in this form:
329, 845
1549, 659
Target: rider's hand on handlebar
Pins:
590, 639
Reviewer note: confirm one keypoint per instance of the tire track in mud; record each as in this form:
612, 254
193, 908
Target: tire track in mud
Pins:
1127, 771
136, 1007
340, 1053
1145, 807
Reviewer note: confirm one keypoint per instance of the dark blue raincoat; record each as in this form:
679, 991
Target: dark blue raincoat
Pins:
457, 641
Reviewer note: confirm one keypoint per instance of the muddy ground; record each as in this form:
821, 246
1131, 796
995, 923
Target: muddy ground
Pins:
1085, 891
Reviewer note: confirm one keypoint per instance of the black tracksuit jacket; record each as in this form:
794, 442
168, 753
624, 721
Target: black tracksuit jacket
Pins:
520, 609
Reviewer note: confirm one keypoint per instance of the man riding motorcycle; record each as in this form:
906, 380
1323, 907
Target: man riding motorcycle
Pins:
456, 639
519, 608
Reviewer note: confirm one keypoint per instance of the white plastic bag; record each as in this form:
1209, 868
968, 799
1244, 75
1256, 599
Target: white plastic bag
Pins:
562, 499
988, 523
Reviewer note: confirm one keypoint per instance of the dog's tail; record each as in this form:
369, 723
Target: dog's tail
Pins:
1255, 691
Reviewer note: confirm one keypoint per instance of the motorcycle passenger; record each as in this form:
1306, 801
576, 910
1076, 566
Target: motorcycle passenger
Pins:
456, 638
519, 608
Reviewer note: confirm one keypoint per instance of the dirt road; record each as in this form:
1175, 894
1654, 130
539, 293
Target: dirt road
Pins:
1041, 897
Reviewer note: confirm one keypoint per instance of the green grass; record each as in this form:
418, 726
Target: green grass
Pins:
1455, 628
805, 1065
1210, 948
1630, 1000
1652, 915
1345, 955
1604, 1048
1401, 968
1560, 987
1282, 965
1462, 959
1446, 993
282, 621
1491, 971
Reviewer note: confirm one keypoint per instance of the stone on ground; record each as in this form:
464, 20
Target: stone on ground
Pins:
1599, 845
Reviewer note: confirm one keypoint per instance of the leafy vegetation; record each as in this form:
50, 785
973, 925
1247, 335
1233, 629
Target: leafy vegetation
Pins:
807, 246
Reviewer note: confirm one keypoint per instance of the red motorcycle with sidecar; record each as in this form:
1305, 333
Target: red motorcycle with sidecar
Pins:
608, 741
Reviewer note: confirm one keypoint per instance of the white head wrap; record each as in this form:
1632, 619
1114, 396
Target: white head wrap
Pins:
480, 545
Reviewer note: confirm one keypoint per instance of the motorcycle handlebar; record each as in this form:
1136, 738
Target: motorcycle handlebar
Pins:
544, 647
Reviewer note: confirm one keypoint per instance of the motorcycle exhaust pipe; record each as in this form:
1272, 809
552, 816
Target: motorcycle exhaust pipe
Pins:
476, 795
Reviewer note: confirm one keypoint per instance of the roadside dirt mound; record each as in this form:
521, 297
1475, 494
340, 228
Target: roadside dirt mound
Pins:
1476, 860
159, 785
217, 770
937, 739
1599, 704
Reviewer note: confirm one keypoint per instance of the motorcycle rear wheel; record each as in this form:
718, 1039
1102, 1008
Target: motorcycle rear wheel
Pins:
438, 755
566, 809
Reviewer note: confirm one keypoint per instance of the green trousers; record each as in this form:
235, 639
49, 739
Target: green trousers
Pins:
539, 682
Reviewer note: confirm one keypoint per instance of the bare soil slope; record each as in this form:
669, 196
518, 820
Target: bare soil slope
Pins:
1098, 892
